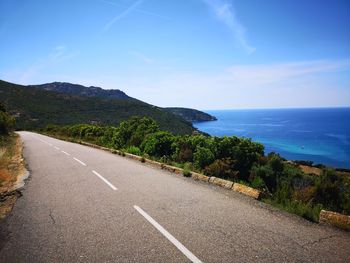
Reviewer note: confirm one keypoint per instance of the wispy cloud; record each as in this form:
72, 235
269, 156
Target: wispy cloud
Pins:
138, 10
266, 74
225, 12
58, 55
124, 13
289, 84
145, 59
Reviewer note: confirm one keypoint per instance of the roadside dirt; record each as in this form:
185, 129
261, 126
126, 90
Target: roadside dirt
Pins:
12, 173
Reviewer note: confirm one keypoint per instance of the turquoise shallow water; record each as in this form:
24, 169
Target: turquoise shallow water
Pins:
318, 135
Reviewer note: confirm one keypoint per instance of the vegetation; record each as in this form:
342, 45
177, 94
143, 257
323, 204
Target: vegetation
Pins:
191, 115
6, 141
10, 152
6, 121
79, 90
233, 158
35, 108
160, 135
11, 164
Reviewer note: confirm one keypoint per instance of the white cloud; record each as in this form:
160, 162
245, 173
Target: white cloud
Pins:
122, 14
145, 59
224, 12
266, 74
291, 84
27, 75
141, 11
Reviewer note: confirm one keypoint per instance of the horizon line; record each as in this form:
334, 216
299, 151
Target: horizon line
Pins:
278, 108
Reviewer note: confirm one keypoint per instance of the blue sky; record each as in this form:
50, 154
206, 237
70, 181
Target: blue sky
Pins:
205, 54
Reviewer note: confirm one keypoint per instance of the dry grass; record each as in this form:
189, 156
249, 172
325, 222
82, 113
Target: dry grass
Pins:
310, 170
11, 168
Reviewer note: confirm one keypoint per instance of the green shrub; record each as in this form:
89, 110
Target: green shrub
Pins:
258, 183
7, 122
333, 192
223, 168
134, 150
158, 144
203, 157
187, 170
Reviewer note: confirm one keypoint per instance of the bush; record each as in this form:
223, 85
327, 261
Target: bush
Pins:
267, 175
258, 183
158, 144
183, 150
333, 192
223, 168
134, 131
203, 157
134, 150
186, 170
7, 122
305, 195
306, 210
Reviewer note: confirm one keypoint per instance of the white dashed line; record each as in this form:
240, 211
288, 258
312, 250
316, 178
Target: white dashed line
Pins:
56, 148
105, 180
170, 237
82, 163
65, 153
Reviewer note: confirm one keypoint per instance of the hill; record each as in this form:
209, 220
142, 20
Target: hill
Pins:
35, 108
76, 89
191, 115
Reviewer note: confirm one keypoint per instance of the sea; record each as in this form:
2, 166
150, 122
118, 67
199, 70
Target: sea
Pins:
321, 135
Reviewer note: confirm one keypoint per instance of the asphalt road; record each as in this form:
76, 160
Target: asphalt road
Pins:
85, 205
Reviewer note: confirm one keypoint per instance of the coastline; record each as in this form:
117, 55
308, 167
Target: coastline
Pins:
294, 133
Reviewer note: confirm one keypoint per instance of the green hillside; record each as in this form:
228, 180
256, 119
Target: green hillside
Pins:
191, 115
36, 108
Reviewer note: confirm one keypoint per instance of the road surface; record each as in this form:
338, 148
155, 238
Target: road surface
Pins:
86, 205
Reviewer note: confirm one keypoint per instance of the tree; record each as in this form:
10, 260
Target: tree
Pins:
222, 168
7, 122
159, 144
203, 157
134, 131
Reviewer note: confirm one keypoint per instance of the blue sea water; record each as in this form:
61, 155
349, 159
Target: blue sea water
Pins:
320, 135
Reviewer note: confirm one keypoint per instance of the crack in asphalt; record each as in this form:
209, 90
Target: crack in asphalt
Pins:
318, 240
51, 216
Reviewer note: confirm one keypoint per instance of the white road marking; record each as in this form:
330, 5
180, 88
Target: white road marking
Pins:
82, 163
170, 237
50, 144
56, 148
65, 153
105, 180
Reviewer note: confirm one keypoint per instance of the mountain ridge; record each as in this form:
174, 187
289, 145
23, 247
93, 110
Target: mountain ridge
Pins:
34, 108
190, 115
81, 90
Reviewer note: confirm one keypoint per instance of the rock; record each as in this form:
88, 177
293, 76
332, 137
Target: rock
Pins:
200, 177
246, 190
335, 219
221, 182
